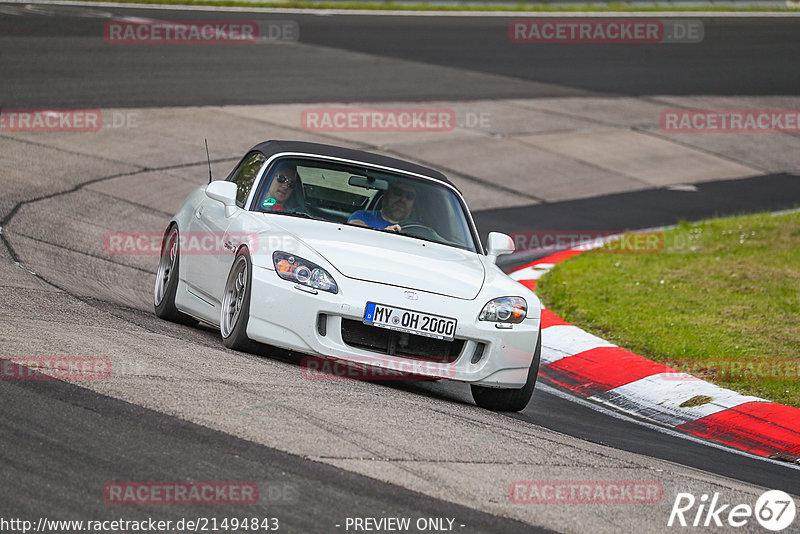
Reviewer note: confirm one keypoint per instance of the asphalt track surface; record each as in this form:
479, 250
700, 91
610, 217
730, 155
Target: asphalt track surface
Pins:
95, 439
736, 57
101, 438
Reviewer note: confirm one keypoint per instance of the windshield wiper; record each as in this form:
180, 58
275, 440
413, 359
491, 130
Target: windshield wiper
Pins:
302, 214
420, 238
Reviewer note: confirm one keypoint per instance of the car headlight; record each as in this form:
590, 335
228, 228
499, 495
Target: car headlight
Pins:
505, 310
301, 271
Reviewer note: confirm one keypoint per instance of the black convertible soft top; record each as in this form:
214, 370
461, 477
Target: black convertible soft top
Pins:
270, 148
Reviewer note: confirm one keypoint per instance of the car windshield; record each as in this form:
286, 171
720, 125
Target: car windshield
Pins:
362, 196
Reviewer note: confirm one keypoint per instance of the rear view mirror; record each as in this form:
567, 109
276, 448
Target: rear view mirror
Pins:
368, 182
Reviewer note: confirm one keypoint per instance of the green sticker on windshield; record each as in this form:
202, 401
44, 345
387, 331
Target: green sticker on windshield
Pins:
269, 202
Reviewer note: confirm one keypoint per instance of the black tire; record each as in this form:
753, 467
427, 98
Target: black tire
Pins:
510, 400
167, 280
236, 307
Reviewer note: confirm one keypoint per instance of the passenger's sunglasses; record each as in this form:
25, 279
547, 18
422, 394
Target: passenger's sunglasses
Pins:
410, 195
282, 179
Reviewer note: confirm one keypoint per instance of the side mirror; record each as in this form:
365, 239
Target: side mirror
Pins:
499, 244
222, 191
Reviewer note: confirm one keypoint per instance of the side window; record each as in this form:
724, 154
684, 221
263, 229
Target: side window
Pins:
245, 175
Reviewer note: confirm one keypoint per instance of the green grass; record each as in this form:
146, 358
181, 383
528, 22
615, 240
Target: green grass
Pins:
425, 6
721, 300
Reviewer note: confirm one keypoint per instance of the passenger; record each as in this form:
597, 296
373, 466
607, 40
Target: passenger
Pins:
398, 201
282, 188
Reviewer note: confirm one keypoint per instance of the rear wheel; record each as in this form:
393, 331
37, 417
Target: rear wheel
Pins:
236, 304
510, 400
167, 280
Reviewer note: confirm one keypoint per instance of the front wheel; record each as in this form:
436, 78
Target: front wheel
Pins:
236, 304
510, 400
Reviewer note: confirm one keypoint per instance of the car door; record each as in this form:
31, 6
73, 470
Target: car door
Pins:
211, 249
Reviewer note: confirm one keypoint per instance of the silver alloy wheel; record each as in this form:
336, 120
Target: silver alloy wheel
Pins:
166, 265
235, 290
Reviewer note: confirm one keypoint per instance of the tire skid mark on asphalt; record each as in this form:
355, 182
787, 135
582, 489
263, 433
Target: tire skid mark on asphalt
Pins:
10, 215
84, 253
133, 203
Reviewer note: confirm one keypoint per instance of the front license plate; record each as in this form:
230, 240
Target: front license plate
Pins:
410, 321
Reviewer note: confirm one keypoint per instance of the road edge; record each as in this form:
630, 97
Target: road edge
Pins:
604, 373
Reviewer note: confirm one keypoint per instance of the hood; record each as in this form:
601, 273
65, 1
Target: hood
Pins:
396, 260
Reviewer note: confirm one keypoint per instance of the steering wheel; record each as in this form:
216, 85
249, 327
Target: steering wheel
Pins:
425, 232
419, 230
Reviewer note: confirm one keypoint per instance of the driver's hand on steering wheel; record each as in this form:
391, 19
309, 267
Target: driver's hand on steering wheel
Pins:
394, 228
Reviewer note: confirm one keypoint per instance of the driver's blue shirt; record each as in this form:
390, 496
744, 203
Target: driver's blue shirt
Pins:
372, 218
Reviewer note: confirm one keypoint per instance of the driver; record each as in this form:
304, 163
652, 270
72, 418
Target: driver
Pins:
397, 205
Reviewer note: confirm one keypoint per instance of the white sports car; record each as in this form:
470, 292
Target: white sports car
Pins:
352, 256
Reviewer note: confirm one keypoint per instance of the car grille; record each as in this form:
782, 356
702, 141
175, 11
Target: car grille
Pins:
385, 341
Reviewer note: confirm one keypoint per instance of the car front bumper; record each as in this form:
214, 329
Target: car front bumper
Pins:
283, 315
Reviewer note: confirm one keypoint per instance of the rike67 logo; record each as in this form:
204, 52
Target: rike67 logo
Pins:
774, 510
